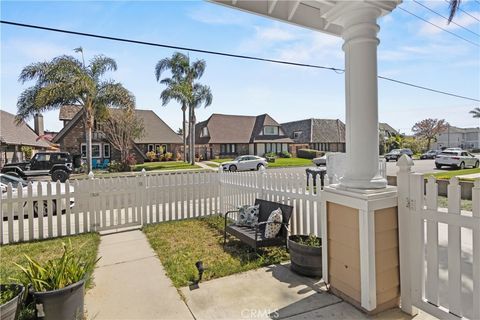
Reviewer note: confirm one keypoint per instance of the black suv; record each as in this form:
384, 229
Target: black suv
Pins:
395, 154
58, 165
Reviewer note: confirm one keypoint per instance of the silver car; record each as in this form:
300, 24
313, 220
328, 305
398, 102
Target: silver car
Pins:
245, 163
17, 183
456, 159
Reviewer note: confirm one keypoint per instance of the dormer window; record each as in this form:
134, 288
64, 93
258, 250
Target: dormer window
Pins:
204, 132
297, 134
270, 130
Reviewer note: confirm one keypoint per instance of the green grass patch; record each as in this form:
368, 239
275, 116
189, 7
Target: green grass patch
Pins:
453, 173
221, 160
86, 245
179, 244
166, 165
464, 204
290, 162
212, 165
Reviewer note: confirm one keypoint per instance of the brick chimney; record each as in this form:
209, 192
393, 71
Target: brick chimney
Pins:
38, 124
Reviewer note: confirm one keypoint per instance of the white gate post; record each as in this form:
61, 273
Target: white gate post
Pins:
404, 165
262, 174
220, 189
144, 199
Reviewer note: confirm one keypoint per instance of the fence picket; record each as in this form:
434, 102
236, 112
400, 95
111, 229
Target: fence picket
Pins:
454, 251
476, 250
431, 288
58, 207
20, 214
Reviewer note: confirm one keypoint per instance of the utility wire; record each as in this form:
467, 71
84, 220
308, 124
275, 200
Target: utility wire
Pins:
468, 14
337, 70
433, 24
446, 18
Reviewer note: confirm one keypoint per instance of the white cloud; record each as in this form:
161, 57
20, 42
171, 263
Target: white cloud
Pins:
461, 19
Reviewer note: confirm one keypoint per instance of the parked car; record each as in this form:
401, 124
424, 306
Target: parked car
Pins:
245, 163
430, 154
16, 182
456, 159
58, 165
395, 154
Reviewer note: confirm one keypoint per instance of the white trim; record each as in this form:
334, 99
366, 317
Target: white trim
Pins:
366, 225
93, 144
109, 150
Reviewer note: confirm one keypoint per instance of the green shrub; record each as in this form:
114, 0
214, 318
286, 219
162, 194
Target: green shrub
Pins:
27, 152
168, 156
285, 154
309, 153
270, 155
58, 273
151, 155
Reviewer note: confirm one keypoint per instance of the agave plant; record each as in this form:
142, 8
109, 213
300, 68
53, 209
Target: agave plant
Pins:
60, 272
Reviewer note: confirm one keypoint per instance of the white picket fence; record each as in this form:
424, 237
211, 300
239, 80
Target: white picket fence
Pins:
119, 202
288, 188
439, 249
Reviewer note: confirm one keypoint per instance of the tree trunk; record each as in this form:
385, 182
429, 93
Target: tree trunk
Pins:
88, 136
184, 109
191, 134
428, 143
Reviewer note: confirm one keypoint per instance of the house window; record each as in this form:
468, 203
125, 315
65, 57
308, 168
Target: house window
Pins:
270, 131
96, 151
164, 148
228, 148
204, 132
106, 151
150, 148
297, 134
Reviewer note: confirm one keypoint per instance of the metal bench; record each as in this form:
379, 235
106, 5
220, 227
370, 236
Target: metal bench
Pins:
255, 236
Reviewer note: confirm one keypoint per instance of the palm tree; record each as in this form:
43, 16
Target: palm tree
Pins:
475, 112
66, 80
175, 87
183, 88
454, 5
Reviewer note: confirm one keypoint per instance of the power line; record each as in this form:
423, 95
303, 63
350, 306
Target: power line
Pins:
446, 18
433, 24
468, 14
337, 70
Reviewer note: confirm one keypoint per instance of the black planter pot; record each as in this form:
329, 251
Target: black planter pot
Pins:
305, 260
11, 309
61, 304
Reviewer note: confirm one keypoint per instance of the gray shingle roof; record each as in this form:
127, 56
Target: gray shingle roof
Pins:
316, 130
385, 127
22, 134
155, 129
67, 112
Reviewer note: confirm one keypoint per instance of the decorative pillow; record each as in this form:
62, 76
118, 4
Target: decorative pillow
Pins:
272, 229
248, 215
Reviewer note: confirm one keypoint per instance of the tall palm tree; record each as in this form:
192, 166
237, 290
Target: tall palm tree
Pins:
454, 5
66, 80
175, 87
183, 88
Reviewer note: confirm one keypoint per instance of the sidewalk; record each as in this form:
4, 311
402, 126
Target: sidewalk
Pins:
205, 166
130, 282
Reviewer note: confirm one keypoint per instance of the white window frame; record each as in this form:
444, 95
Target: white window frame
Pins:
204, 132
150, 147
93, 144
271, 134
109, 150
297, 134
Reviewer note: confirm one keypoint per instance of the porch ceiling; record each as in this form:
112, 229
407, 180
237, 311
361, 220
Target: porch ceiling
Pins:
320, 15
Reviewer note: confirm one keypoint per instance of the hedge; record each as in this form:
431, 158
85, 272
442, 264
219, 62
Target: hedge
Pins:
309, 153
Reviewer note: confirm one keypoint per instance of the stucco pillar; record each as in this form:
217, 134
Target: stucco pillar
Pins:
361, 92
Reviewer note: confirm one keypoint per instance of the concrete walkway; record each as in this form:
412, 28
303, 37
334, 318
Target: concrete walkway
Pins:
205, 166
130, 282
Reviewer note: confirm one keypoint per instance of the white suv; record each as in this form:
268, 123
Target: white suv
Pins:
458, 159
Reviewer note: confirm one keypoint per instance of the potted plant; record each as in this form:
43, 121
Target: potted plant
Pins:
58, 286
306, 254
10, 300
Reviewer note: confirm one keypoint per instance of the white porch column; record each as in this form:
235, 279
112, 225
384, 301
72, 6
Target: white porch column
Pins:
360, 35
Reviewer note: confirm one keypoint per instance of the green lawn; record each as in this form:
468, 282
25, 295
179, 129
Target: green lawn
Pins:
453, 173
42, 251
290, 162
213, 165
179, 244
167, 165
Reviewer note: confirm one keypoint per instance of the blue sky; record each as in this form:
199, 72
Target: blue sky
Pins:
410, 50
